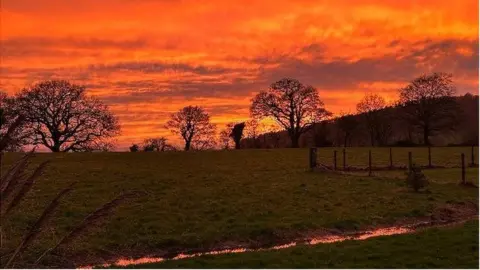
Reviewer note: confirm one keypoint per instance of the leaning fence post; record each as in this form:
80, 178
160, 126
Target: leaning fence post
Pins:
335, 160
313, 158
473, 156
463, 169
429, 157
410, 163
344, 160
391, 159
369, 162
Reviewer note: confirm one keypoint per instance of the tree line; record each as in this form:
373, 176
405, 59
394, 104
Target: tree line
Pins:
62, 117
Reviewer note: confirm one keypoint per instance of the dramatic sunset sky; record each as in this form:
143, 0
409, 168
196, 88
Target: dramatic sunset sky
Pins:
148, 58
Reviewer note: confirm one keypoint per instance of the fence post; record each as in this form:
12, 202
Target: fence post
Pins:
473, 156
344, 160
410, 163
313, 158
429, 157
369, 162
463, 169
391, 159
335, 160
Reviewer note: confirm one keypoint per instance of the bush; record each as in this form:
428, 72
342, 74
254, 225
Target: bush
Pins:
134, 148
416, 179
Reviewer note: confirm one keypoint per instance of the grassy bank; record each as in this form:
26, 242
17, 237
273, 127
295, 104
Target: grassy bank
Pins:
450, 247
205, 199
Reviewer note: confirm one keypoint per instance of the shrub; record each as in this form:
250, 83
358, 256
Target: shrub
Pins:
416, 179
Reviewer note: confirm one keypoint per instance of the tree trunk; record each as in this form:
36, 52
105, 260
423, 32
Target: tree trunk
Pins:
187, 145
237, 144
55, 148
294, 138
426, 132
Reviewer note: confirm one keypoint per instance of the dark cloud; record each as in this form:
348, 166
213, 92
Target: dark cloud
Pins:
202, 81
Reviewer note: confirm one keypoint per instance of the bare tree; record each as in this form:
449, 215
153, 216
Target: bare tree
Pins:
370, 107
252, 130
428, 104
63, 118
224, 136
347, 123
192, 123
19, 136
237, 134
296, 107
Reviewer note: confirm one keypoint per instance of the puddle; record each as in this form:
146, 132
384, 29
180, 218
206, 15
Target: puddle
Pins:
313, 241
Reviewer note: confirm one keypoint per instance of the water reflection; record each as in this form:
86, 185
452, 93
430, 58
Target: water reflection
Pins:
318, 240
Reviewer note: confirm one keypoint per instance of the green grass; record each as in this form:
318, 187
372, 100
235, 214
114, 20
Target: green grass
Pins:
452, 247
203, 199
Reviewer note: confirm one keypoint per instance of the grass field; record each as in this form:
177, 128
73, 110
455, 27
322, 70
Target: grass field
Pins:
450, 247
209, 199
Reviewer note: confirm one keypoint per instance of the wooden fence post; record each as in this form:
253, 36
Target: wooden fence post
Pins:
335, 160
429, 157
313, 158
369, 162
344, 160
391, 159
463, 169
410, 163
473, 156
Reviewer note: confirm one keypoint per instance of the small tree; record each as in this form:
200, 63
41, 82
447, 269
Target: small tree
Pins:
192, 123
60, 116
237, 134
428, 104
370, 107
295, 106
224, 136
252, 130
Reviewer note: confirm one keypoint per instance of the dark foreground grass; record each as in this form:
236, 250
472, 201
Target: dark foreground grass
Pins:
449, 247
204, 199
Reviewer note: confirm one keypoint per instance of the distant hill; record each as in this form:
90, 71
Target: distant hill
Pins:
399, 133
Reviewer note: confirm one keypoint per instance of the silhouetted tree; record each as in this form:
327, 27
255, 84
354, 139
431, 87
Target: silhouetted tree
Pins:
192, 123
296, 107
371, 108
156, 144
134, 148
347, 124
237, 134
63, 118
18, 136
428, 104
224, 136
252, 130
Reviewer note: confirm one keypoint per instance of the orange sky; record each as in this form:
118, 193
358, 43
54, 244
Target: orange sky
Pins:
149, 58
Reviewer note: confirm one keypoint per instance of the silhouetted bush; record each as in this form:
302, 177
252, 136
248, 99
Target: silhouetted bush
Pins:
416, 179
134, 148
